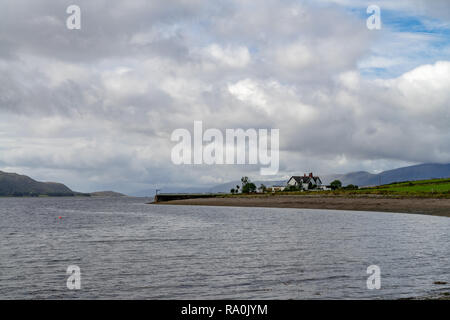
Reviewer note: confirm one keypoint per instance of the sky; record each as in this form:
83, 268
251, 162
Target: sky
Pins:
95, 108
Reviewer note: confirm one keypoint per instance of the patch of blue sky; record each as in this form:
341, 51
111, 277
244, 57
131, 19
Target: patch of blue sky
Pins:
401, 22
405, 42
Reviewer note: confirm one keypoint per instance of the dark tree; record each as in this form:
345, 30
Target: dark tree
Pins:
336, 184
244, 181
250, 187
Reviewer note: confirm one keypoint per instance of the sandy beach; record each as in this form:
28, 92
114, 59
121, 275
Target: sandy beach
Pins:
428, 206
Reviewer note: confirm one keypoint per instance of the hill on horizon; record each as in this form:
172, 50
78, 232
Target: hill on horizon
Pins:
416, 172
13, 184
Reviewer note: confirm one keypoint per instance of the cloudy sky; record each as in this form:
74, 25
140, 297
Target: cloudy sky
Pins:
95, 108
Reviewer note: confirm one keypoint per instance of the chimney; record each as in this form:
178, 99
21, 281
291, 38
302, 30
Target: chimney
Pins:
304, 175
310, 175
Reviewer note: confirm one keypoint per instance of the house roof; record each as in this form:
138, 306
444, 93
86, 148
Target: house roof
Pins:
304, 179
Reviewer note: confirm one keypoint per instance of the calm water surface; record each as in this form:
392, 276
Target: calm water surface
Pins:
129, 250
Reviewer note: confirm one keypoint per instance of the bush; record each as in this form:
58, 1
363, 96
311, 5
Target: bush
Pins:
292, 188
249, 187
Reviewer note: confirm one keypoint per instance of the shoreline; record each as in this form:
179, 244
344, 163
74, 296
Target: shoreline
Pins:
414, 205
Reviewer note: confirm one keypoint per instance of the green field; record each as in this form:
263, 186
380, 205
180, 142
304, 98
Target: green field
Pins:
435, 187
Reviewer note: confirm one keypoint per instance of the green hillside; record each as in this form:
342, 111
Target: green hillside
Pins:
13, 184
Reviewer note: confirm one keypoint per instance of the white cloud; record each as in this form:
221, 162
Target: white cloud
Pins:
235, 57
248, 91
296, 56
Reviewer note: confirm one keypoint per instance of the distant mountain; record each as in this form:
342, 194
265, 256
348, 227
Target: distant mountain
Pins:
416, 172
107, 194
359, 178
13, 184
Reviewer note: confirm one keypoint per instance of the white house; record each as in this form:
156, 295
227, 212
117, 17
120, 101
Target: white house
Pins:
276, 188
306, 182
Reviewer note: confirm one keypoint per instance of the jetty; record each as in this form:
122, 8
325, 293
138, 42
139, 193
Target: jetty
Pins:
165, 197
